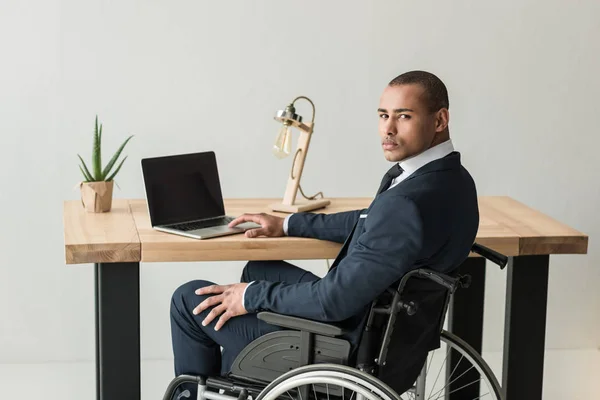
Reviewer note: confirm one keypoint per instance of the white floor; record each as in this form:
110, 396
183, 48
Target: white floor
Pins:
569, 374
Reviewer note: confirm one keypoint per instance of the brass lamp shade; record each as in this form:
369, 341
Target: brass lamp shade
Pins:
289, 116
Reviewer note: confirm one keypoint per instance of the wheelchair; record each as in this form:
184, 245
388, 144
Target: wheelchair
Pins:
311, 360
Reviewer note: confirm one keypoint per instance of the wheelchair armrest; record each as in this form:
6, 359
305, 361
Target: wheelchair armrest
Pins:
300, 324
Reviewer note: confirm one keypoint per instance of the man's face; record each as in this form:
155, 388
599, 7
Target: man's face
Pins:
406, 126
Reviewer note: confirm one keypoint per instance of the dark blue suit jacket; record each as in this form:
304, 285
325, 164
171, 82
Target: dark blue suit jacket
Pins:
428, 220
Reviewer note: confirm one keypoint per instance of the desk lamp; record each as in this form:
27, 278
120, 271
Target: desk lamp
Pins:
282, 149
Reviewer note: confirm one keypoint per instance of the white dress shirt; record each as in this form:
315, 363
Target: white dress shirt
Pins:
408, 165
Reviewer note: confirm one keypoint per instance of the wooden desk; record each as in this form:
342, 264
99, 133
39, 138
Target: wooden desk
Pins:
118, 241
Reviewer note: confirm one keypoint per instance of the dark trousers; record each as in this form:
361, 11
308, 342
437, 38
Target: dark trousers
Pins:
197, 348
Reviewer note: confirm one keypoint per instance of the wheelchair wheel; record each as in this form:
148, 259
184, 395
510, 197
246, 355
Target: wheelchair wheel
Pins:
327, 381
455, 371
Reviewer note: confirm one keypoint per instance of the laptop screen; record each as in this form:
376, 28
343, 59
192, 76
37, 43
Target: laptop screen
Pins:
182, 188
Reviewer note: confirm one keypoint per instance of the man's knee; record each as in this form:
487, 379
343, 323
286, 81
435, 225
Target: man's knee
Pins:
185, 295
258, 270
248, 272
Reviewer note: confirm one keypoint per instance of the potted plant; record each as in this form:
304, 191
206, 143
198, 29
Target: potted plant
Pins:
97, 186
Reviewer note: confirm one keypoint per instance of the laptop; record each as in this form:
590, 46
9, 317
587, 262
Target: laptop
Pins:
184, 196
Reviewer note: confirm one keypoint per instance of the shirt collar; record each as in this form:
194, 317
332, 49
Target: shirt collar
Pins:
413, 163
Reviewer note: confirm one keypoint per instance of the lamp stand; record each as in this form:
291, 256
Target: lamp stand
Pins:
289, 204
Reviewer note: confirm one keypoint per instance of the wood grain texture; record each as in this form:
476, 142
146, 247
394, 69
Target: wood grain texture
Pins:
100, 237
538, 233
125, 234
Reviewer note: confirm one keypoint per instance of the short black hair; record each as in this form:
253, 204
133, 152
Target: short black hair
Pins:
435, 90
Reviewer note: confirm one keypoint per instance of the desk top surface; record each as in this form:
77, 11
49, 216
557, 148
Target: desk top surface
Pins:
125, 234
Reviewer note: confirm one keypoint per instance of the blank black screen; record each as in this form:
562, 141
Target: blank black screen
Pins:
182, 188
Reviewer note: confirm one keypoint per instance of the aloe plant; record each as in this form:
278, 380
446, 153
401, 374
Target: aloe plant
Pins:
102, 174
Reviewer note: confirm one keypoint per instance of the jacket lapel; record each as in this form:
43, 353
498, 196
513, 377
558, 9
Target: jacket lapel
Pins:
451, 161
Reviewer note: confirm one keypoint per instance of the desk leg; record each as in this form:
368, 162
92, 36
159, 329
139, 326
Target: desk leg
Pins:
117, 331
465, 320
525, 327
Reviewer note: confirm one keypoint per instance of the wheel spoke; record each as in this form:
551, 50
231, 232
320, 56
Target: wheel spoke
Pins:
451, 382
440, 371
478, 397
456, 366
455, 379
430, 362
464, 386
449, 377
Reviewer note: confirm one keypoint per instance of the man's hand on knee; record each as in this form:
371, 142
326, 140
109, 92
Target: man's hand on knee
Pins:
227, 302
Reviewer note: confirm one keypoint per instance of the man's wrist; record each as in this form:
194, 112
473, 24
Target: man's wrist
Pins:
285, 224
244, 295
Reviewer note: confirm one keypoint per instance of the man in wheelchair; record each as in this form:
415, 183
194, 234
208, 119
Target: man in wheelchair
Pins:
424, 216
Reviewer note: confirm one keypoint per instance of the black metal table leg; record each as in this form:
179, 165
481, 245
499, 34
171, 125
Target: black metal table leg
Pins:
117, 331
525, 327
465, 319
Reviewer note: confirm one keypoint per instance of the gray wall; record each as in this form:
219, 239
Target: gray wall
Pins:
192, 76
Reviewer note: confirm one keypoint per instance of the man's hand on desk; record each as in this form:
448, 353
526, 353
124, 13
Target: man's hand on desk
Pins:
271, 225
227, 302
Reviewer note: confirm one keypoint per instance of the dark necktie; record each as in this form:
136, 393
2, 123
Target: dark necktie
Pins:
389, 176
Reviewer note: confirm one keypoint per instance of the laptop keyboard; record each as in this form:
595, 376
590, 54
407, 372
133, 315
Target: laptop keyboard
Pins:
190, 226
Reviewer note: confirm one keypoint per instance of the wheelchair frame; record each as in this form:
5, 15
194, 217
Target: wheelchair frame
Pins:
245, 386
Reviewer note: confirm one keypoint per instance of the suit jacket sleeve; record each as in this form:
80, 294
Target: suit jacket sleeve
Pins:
384, 252
333, 227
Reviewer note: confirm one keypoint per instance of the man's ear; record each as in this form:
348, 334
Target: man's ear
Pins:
442, 118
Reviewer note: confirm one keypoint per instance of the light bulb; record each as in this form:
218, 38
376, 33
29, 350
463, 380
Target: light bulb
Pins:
283, 144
